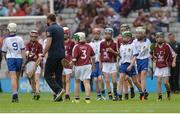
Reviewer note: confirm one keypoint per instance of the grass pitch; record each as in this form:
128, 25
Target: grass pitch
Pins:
45, 104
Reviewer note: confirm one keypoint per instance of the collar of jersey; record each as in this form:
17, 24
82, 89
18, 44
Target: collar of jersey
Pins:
145, 39
54, 23
12, 35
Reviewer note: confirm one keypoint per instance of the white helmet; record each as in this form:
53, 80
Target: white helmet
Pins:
66, 30
80, 36
109, 30
141, 29
12, 27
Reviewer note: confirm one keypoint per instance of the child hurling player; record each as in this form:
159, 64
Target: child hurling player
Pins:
143, 45
14, 52
84, 61
165, 57
128, 54
108, 59
97, 73
67, 72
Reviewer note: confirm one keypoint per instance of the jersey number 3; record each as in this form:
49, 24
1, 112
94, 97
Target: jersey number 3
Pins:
84, 55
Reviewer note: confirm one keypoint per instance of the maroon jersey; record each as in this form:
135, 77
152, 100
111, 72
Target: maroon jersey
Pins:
163, 55
34, 48
119, 42
106, 56
68, 50
82, 52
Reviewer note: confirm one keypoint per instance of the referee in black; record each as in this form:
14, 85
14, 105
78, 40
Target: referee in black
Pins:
175, 72
56, 52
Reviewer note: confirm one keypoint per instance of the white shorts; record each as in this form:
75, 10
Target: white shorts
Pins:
83, 72
109, 67
67, 71
29, 67
162, 72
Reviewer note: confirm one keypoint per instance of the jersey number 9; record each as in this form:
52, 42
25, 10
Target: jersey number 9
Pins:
15, 46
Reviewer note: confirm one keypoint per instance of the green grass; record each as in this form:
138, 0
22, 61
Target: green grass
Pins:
45, 104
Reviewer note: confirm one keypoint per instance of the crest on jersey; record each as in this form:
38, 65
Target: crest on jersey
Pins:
129, 49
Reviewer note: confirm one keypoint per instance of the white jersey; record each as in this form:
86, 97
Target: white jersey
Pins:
13, 46
143, 48
96, 48
127, 52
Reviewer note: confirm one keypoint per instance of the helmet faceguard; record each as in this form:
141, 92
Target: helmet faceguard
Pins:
124, 27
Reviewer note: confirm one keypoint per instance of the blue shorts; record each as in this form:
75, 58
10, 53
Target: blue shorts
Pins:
14, 64
123, 69
97, 72
142, 65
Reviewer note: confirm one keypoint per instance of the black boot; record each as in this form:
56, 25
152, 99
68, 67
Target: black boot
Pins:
132, 92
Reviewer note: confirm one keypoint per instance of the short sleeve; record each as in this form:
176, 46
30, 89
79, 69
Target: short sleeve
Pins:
27, 47
92, 52
134, 42
75, 52
49, 32
135, 51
